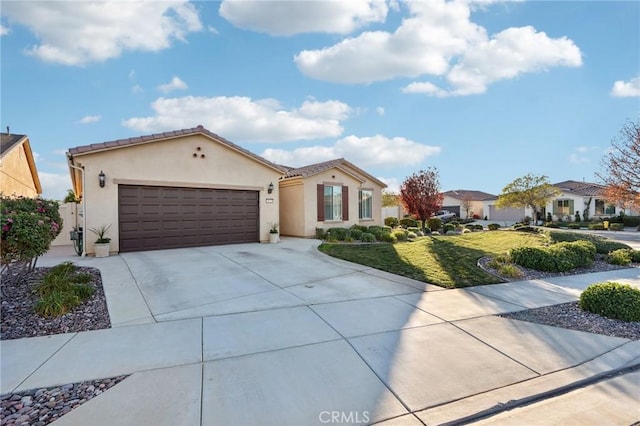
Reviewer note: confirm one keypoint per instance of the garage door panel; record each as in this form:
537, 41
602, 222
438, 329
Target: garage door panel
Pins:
165, 217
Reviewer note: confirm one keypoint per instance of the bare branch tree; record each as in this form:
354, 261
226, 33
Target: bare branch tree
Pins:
621, 167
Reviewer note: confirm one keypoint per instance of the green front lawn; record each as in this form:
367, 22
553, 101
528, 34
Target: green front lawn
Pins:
448, 261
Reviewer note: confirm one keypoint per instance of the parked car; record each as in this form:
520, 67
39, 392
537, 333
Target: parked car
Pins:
444, 215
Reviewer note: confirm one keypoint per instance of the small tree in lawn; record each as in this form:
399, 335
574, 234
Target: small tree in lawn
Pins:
420, 194
528, 191
621, 167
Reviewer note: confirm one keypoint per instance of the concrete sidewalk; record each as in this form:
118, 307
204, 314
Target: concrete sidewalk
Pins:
345, 343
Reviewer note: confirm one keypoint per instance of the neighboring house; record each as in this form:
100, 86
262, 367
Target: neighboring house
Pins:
18, 173
574, 197
466, 203
183, 188
581, 197
334, 193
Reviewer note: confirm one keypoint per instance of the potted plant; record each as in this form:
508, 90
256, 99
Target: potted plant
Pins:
102, 245
273, 234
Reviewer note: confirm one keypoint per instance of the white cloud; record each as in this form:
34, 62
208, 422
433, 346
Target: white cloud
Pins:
3, 30
285, 18
175, 84
380, 111
137, 89
393, 184
629, 88
439, 39
54, 185
369, 151
78, 32
132, 75
89, 119
213, 30
580, 154
243, 119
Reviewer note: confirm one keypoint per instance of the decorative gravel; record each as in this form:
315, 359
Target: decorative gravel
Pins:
569, 315
18, 320
39, 407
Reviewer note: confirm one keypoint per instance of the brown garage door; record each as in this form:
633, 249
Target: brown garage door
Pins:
155, 217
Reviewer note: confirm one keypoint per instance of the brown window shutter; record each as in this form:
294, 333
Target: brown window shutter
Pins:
320, 203
345, 203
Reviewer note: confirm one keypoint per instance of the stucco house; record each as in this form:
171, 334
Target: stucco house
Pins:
465, 203
333, 193
18, 173
183, 188
576, 196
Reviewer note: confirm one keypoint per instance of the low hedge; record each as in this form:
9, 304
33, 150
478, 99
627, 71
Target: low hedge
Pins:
493, 226
407, 222
612, 300
603, 245
631, 221
391, 221
559, 257
616, 226
597, 226
340, 234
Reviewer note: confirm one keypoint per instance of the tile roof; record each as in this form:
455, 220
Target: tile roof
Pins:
120, 143
8, 141
463, 194
341, 163
587, 189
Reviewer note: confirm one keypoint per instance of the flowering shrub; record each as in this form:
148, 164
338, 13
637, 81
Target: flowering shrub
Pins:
28, 227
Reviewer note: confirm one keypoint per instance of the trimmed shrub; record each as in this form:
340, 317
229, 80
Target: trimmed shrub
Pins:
413, 229
356, 234
470, 227
574, 226
340, 234
597, 226
412, 235
612, 300
466, 231
320, 233
376, 231
455, 223
551, 225
635, 256
388, 238
616, 226
478, 227
360, 228
387, 229
448, 227
631, 221
526, 228
434, 223
426, 230
391, 221
603, 245
560, 257
367, 237
407, 222
620, 257
400, 235
493, 226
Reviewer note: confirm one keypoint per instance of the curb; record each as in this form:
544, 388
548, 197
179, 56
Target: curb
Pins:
621, 360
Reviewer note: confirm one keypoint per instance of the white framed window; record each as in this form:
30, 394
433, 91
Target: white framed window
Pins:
332, 202
365, 203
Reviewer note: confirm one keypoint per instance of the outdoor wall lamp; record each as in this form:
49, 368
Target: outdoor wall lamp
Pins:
270, 188
102, 179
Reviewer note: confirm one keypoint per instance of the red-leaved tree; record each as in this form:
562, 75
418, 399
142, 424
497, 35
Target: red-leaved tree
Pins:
621, 167
420, 194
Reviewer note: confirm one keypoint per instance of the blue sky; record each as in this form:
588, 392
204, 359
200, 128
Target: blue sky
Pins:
484, 90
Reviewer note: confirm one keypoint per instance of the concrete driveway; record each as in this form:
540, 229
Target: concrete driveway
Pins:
281, 334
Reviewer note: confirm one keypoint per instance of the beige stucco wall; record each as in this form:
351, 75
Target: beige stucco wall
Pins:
172, 163
15, 174
69, 212
292, 207
338, 177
